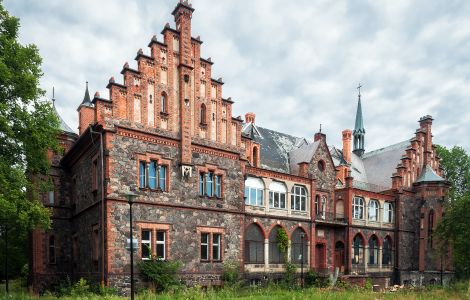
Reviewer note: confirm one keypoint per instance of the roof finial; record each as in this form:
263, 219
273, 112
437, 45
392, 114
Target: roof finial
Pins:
53, 95
320, 127
359, 89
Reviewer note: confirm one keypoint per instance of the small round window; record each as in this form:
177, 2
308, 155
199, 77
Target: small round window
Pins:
321, 165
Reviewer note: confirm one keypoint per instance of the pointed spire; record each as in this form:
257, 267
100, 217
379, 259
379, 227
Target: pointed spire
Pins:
86, 99
53, 96
63, 126
359, 130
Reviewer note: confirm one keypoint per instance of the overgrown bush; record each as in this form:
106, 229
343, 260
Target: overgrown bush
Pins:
311, 278
368, 284
80, 288
288, 278
231, 273
164, 274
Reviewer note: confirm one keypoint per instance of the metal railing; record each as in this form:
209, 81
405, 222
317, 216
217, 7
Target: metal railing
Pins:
330, 217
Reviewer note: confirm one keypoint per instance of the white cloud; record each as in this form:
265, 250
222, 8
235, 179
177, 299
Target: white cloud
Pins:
294, 63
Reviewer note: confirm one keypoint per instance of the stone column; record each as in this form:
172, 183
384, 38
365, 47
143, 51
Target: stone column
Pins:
379, 259
366, 257
266, 199
289, 247
288, 203
266, 255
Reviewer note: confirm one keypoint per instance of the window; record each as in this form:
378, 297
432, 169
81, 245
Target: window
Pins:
317, 205
323, 207
387, 251
146, 246
51, 196
299, 253
277, 195
275, 255
152, 175
388, 212
373, 250
254, 245
298, 198
373, 210
254, 190
206, 246
163, 104
160, 246
210, 184
358, 208
52, 255
430, 226
203, 114
358, 250
321, 165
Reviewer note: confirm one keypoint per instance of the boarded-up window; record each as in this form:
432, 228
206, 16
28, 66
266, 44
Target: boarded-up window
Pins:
137, 110
151, 105
164, 76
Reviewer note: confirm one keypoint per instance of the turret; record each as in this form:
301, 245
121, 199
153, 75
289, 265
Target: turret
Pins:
86, 112
359, 131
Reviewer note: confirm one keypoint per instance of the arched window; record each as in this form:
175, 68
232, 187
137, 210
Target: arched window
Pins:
203, 114
164, 104
52, 254
430, 226
275, 255
358, 250
254, 245
321, 165
299, 249
317, 205
387, 251
298, 198
358, 208
388, 212
373, 210
277, 195
373, 250
254, 189
255, 156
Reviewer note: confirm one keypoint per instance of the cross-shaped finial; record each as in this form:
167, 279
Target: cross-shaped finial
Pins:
359, 89
53, 95
320, 127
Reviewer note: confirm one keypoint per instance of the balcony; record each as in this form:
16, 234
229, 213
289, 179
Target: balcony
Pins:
330, 218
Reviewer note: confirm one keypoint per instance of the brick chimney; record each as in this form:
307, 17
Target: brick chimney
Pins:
347, 134
425, 124
319, 136
250, 117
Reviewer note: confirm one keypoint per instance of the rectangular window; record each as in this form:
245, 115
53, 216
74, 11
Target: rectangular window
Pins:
201, 184
152, 175
204, 246
216, 246
162, 178
209, 187
142, 175
217, 186
160, 245
146, 244
51, 197
277, 200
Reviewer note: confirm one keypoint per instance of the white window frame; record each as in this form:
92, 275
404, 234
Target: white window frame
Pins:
323, 206
157, 242
358, 208
373, 208
298, 199
217, 245
207, 244
256, 185
147, 243
277, 189
388, 212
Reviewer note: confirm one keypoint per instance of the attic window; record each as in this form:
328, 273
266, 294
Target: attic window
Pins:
321, 165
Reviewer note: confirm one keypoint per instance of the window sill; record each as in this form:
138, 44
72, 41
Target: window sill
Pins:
211, 197
164, 115
203, 125
152, 190
210, 261
277, 208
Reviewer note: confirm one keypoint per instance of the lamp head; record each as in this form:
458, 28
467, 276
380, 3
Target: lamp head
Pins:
130, 195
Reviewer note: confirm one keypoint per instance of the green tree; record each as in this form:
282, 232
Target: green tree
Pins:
453, 231
28, 129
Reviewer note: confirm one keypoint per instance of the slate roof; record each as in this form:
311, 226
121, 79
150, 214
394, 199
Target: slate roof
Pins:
274, 147
428, 175
63, 126
302, 154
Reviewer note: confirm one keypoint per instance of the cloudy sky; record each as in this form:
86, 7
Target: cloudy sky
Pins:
296, 64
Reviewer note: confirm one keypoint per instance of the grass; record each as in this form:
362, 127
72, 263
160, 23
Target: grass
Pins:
457, 291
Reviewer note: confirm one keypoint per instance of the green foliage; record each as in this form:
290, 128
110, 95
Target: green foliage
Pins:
311, 278
164, 274
456, 165
231, 273
368, 284
80, 288
283, 241
28, 129
289, 275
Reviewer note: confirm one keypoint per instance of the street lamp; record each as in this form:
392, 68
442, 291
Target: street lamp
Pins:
130, 199
302, 236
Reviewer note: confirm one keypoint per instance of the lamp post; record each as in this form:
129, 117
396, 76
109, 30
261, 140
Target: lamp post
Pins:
302, 236
6, 256
130, 199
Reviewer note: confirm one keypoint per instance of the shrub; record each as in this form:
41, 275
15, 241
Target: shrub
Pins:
288, 278
164, 274
231, 273
80, 288
311, 278
368, 285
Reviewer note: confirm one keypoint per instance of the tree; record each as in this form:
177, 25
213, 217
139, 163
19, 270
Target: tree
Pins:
454, 228
28, 130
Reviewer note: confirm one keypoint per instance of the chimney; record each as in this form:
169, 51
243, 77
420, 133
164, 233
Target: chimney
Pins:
347, 134
303, 169
250, 117
319, 136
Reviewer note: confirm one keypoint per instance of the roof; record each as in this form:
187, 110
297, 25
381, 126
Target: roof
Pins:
302, 154
428, 175
274, 147
63, 126
358, 171
86, 99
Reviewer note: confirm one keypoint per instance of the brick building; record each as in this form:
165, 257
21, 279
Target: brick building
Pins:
212, 187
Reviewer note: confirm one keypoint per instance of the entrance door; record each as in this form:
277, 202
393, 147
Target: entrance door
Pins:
339, 256
320, 256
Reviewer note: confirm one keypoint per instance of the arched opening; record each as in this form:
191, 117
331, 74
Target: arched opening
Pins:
358, 250
254, 245
254, 190
299, 249
321, 165
275, 255
277, 195
255, 156
339, 255
373, 251
320, 256
203, 114
387, 251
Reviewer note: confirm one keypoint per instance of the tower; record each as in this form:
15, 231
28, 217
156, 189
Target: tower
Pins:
359, 131
86, 112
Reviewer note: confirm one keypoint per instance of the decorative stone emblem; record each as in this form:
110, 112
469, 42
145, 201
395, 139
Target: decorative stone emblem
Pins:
186, 171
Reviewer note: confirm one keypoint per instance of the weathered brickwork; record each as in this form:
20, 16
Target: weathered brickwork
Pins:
222, 176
